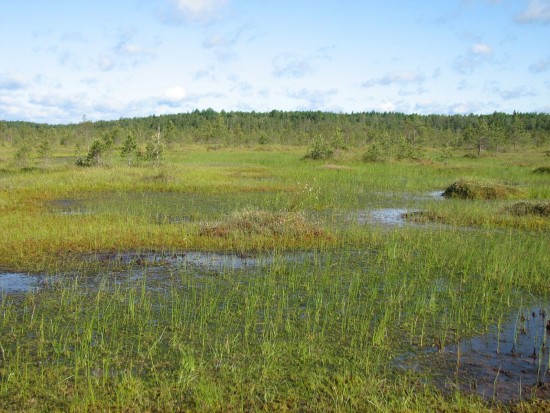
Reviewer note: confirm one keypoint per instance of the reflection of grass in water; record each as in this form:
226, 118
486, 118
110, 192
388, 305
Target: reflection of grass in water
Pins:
507, 362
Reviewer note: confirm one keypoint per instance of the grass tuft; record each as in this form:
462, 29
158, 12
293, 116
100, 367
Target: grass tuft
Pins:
471, 189
422, 217
530, 208
263, 223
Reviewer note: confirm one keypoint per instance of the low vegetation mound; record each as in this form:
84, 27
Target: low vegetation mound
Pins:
470, 189
263, 223
423, 217
542, 170
525, 208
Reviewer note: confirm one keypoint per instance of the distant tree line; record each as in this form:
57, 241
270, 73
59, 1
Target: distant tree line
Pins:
147, 136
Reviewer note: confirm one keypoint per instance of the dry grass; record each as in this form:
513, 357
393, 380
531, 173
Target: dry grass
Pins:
336, 167
423, 217
530, 208
263, 223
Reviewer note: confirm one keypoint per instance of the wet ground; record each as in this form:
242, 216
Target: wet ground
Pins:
16, 282
386, 216
510, 362
381, 208
157, 269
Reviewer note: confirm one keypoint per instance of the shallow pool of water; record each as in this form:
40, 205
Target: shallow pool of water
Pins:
510, 362
18, 282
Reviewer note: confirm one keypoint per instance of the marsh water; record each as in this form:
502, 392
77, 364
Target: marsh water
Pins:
378, 208
508, 362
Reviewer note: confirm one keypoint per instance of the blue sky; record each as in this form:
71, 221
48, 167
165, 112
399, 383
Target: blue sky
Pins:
106, 59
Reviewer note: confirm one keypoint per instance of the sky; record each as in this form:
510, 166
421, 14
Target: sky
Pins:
65, 60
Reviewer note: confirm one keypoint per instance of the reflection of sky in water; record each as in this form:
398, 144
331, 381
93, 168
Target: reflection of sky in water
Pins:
14, 282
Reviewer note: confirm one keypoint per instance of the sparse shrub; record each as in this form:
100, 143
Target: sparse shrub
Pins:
470, 189
129, 150
44, 150
445, 154
525, 208
154, 151
22, 155
93, 157
375, 153
319, 149
542, 170
406, 150
263, 139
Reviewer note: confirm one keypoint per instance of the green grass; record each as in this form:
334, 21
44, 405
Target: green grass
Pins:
318, 333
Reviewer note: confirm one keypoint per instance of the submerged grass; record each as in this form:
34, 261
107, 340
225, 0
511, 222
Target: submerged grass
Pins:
319, 333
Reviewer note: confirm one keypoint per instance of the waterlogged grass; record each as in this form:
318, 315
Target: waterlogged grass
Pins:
316, 334
318, 319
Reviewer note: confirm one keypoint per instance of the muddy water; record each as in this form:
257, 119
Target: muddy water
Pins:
511, 362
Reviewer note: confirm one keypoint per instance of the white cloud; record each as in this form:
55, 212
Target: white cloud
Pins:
175, 94
516, 93
540, 66
387, 107
399, 78
291, 65
316, 99
463, 108
238, 85
126, 46
538, 11
10, 81
137, 50
105, 63
224, 40
477, 55
412, 92
482, 49
197, 10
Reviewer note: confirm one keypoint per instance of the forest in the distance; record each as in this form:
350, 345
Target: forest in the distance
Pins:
478, 133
